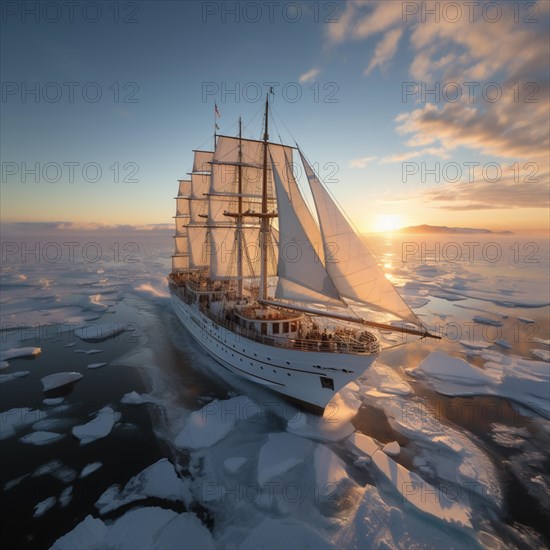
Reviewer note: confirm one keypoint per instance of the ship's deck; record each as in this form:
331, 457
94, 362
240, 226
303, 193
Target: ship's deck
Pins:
309, 338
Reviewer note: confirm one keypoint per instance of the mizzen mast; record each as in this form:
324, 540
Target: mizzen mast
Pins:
240, 216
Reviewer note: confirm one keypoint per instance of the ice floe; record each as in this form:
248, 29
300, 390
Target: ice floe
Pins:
13, 376
392, 449
274, 533
98, 332
159, 480
95, 365
90, 469
522, 380
213, 422
234, 464
13, 419
66, 496
98, 427
487, 321
413, 489
50, 401
543, 354
445, 452
279, 453
135, 398
12, 353
56, 469
330, 473
41, 438
142, 528
42, 507
59, 379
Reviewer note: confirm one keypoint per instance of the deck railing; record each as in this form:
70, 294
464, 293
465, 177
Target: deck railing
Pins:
339, 343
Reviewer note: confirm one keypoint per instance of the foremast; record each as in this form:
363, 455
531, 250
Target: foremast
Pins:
264, 229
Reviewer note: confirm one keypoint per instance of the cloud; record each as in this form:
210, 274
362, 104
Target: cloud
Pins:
339, 30
511, 129
400, 157
361, 162
309, 75
383, 16
385, 50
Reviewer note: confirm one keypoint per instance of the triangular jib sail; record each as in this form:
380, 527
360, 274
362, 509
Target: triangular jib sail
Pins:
348, 261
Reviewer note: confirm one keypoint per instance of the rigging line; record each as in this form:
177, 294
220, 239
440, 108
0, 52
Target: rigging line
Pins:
283, 123
247, 125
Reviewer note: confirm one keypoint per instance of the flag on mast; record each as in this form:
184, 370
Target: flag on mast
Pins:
217, 113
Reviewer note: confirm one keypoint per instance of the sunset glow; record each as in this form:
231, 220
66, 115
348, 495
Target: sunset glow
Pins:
387, 223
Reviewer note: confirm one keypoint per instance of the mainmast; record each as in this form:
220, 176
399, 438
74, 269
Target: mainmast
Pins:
240, 218
264, 230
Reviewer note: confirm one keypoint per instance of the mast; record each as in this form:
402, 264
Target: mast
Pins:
264, 219
240, 218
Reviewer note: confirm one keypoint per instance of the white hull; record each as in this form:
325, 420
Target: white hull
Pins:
312, 377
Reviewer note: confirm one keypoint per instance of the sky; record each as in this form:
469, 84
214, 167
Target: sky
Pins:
411, 112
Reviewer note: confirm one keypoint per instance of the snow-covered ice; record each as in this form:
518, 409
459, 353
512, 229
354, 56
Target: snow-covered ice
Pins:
142, 528
487, 321
159, 480
135, 398
275, 533
392, 449
99, 332
279, 453
330, 472
41, 438
56, 469
98, 427
59, 379
50, 401
543, 354
95, 365
234, 464
213, 422
523, 380
13, 376
66, 496
43, 506
90, 469
12, 353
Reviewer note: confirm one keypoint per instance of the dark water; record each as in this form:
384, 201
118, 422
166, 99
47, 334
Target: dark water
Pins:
134, 296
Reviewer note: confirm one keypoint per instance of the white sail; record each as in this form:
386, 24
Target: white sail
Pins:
181, 226
184, 189
223, 253
196, 210
198, 247
199, 186
227, 151
181, 245
180, 263
298, 261
300, 207
351, 266
202, 160
182, 206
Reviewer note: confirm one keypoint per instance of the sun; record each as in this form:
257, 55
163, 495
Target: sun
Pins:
387, 222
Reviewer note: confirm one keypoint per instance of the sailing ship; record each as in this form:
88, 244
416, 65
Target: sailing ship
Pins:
267, 289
